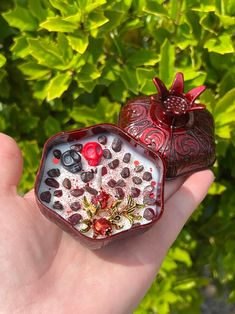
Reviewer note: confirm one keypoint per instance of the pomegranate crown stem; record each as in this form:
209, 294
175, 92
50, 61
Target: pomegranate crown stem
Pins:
175, 100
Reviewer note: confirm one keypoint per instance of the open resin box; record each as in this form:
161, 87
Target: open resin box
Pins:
100, 184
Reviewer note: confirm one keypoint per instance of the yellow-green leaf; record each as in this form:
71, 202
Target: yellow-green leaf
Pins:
58, 85
78, 42
216, 188
221, 44
2, 60
21, 18
57, 24
166, 66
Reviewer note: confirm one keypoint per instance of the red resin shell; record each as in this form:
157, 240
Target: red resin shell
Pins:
172, 124
101, 226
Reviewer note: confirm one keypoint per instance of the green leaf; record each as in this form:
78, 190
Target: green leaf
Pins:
37, 10
46, 53
96, 19
92, 6
58, 85
153, 7
222, 44
210, 22
144, 77
181, 255
66, 7
166, 65
40, 89
20, 48
226, 20
51, 126
104, 111
225, 104
21, 18
216, 188
2, 60
31, 155
33, 70
78, 41
57, 24
143, 57
88, 73
128, 77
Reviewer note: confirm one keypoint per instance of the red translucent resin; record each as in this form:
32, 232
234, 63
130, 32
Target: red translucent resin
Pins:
172, 124
62, 200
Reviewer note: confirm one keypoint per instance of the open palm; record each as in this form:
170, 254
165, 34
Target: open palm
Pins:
44, 270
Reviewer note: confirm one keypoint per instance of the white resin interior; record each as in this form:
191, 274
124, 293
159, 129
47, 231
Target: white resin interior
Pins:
100, 181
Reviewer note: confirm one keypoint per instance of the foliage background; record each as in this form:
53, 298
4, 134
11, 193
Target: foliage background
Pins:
65, 64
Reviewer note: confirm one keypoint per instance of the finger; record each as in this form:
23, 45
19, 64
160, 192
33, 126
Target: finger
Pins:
30, 195
181, 205
172, 186
11, 164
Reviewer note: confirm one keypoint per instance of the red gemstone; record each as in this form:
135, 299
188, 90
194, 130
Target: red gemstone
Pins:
102, 199
102, 226
92, 152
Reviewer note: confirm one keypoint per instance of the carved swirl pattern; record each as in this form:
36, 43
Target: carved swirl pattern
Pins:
186, 151
136, 128
185, 144
154, 138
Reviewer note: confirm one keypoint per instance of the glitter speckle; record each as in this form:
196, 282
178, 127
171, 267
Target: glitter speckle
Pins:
55, 160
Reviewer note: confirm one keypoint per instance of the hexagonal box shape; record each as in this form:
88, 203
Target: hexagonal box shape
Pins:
99, 184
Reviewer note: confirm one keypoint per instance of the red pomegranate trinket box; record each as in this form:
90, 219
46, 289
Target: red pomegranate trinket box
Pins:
172, 124
100, 184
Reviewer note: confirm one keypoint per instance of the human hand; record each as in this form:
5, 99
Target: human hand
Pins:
44, 270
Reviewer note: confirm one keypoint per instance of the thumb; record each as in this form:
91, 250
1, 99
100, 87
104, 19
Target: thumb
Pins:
11, 164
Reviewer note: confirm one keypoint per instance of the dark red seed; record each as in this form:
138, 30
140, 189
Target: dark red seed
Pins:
74, 219
127, 157
137, 180
57, 205
147, 176
67, 183
117, 144
52, 183
120, 193
149, 200
75, 206
104, 171
125, 173
102, 139
149, 214
107, 154
135, 192
91, 190
57, 153
111, 183
77, 192
58, 193
87, 176
148, 189
55, 172
121, 183
45, 196
139, 168
113, 164
77, 147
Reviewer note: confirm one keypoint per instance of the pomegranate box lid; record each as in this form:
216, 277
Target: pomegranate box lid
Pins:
173, 124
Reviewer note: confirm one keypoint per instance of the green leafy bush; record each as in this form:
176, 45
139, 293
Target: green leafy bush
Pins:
65, 64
